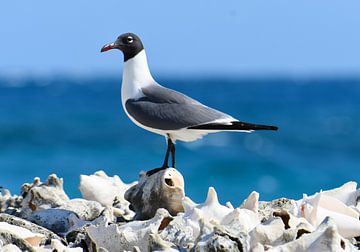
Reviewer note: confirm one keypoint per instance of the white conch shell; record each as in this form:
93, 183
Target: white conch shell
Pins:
181, 231
199, 219
211, 209
325, 238
102, 188
241, 220
269, 233
316, 208
346, 193
124, 238
105, 190
38, 195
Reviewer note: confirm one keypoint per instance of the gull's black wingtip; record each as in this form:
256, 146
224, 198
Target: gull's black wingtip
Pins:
251, 126
236, 125
273, 128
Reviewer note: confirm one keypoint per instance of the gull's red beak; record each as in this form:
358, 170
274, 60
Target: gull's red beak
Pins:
108, 47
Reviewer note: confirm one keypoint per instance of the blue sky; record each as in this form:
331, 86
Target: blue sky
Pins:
184, 37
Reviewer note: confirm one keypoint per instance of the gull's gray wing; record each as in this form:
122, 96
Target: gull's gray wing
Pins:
166, 109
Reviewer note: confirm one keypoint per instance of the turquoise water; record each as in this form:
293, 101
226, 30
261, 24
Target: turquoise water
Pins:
72, 126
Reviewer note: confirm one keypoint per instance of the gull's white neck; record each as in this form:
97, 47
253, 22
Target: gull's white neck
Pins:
136, 75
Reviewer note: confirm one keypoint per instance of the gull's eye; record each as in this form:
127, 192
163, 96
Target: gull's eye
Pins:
130, 39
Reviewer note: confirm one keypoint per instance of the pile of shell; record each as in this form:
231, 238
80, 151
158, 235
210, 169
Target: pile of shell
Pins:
154, 215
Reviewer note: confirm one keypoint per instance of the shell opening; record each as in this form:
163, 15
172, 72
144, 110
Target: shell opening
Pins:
169, 182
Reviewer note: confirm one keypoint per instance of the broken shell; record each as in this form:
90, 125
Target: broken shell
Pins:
163, 189
346, 193
34, 239
316, 208
124, 238
16, 221
42, 195
108, 191
324, 238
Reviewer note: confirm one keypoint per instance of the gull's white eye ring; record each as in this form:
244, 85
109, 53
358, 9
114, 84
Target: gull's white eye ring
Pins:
130, 39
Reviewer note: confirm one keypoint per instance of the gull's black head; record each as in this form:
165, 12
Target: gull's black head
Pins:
129, 43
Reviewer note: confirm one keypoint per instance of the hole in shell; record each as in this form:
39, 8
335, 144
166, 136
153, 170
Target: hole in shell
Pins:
342, 244
300, 232
169, 182
164, 223
285, 217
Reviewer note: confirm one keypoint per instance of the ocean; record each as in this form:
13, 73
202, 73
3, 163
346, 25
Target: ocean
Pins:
75, 125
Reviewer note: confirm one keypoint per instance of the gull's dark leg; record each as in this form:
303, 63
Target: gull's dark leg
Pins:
166, 160
170, 148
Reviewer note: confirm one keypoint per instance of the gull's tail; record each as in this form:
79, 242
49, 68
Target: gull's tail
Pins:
235, 125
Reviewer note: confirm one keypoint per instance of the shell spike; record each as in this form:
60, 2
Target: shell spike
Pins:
252, 202
188, 204
212, 197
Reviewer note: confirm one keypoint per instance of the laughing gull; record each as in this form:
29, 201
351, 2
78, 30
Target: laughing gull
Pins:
164, 111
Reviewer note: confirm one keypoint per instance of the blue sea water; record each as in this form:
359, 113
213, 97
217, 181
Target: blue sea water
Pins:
72, 126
